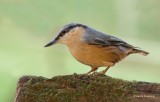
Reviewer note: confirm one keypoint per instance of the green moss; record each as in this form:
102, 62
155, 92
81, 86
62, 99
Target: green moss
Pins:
78, 88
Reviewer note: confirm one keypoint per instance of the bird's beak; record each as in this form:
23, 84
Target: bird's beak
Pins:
51, 43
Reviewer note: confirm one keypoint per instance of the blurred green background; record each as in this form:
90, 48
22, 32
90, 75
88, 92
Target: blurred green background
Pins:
27, 25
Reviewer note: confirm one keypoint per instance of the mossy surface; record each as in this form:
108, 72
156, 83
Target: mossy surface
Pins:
76, 88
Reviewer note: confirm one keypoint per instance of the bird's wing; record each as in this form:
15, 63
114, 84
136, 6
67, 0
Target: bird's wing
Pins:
94, 37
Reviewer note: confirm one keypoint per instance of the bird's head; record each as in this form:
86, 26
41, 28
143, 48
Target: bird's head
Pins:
66, 33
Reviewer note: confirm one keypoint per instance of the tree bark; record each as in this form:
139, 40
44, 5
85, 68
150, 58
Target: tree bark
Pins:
85, 88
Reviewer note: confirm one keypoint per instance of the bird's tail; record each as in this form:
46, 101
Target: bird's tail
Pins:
142, 52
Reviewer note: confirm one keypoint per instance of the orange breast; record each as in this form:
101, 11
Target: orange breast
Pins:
94, 55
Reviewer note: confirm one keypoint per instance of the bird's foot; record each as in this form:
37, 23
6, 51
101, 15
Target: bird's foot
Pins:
104, 71
92, 70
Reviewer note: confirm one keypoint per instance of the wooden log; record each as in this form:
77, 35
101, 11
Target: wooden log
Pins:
85, 88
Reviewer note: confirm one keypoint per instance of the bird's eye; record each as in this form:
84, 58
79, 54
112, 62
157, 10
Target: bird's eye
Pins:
64, 31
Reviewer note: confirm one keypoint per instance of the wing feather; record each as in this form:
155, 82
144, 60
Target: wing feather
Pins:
94, 37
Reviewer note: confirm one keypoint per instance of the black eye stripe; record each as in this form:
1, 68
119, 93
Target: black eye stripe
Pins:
67, 29
64, 31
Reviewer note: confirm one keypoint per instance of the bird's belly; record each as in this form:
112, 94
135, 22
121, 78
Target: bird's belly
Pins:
96, 56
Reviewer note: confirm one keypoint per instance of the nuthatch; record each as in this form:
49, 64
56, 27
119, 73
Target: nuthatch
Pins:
94, 48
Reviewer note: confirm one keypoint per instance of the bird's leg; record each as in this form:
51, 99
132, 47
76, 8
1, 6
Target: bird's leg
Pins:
104, 71
92, 69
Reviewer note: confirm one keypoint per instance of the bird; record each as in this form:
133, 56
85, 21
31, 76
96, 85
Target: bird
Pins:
94, 48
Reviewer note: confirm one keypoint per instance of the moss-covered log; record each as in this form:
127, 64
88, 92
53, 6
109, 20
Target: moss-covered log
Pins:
85, 88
